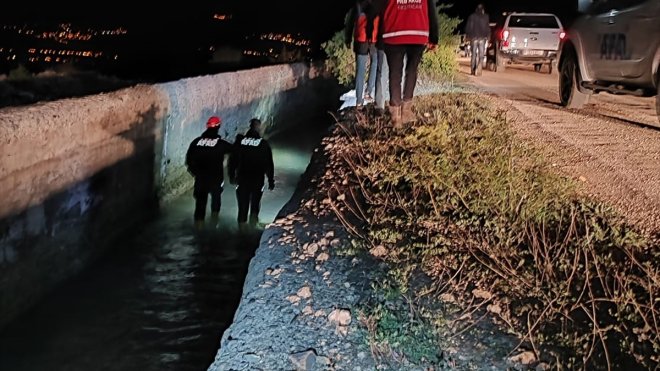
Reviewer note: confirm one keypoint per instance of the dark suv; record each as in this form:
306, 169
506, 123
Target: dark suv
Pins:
613, 47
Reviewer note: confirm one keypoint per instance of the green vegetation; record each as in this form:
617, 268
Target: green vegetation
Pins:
464, 209
399, 332
441, 64
19, 73
341, 59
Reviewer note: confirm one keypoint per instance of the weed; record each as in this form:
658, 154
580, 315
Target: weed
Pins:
459, 198
397, 334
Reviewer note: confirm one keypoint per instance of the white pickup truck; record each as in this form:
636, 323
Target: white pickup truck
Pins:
613, 47
530, 38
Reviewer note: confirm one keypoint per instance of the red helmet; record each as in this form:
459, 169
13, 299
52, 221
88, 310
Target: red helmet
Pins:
213, 122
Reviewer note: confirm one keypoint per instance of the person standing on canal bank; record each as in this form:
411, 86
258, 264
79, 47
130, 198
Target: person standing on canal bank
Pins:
407, 27
249, 164
362, 28
205, 162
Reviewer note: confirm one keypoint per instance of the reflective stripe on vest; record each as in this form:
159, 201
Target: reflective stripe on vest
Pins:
406, 22
405, 33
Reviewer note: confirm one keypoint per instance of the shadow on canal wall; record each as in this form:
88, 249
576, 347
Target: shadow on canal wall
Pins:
76, 174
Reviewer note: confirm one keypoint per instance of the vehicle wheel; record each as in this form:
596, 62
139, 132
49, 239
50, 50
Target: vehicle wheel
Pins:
500, 63
569, 93
537, 67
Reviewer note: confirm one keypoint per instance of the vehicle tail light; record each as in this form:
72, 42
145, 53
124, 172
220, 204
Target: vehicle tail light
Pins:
562, 35
505, 37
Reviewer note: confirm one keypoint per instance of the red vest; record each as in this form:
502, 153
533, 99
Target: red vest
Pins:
360, 33
406, 22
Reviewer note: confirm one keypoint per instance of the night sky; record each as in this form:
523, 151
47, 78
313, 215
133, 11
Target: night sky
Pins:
188, 18
175, 24
165, 32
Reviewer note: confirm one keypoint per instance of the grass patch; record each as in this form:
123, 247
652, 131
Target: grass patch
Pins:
460, 200
397, 333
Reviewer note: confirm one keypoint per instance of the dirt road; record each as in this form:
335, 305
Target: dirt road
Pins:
612, 145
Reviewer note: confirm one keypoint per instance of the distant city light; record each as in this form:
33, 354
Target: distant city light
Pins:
64, 34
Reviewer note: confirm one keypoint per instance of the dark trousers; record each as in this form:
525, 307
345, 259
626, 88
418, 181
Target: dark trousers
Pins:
201, 192
249, 198
395, 56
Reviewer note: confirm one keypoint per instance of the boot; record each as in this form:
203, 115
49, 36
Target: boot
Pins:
407, 114
395, 114
254, 220
215, 218
243, 227
199, 224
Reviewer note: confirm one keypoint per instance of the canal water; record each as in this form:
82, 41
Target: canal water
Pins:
160, 300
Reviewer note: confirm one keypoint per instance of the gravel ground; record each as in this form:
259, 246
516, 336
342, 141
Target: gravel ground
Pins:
612, 145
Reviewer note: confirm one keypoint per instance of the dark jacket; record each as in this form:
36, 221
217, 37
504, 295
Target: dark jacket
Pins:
478, 26
251, 160
406, 23
205, 156
361, 27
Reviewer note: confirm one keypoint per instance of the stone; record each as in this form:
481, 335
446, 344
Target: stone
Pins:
525, 358
329, 235
275, 272
305, 292
379, 251
308, 311
311, 249
303, 361
293, 299
323, 361
482, 294
494, 308
323, 257
251, 358
341, 317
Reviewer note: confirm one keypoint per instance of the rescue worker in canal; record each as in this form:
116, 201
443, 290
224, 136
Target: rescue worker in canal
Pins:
205, 162
249, 164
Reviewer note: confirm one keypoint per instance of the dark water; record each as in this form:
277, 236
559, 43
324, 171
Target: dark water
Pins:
161, 300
